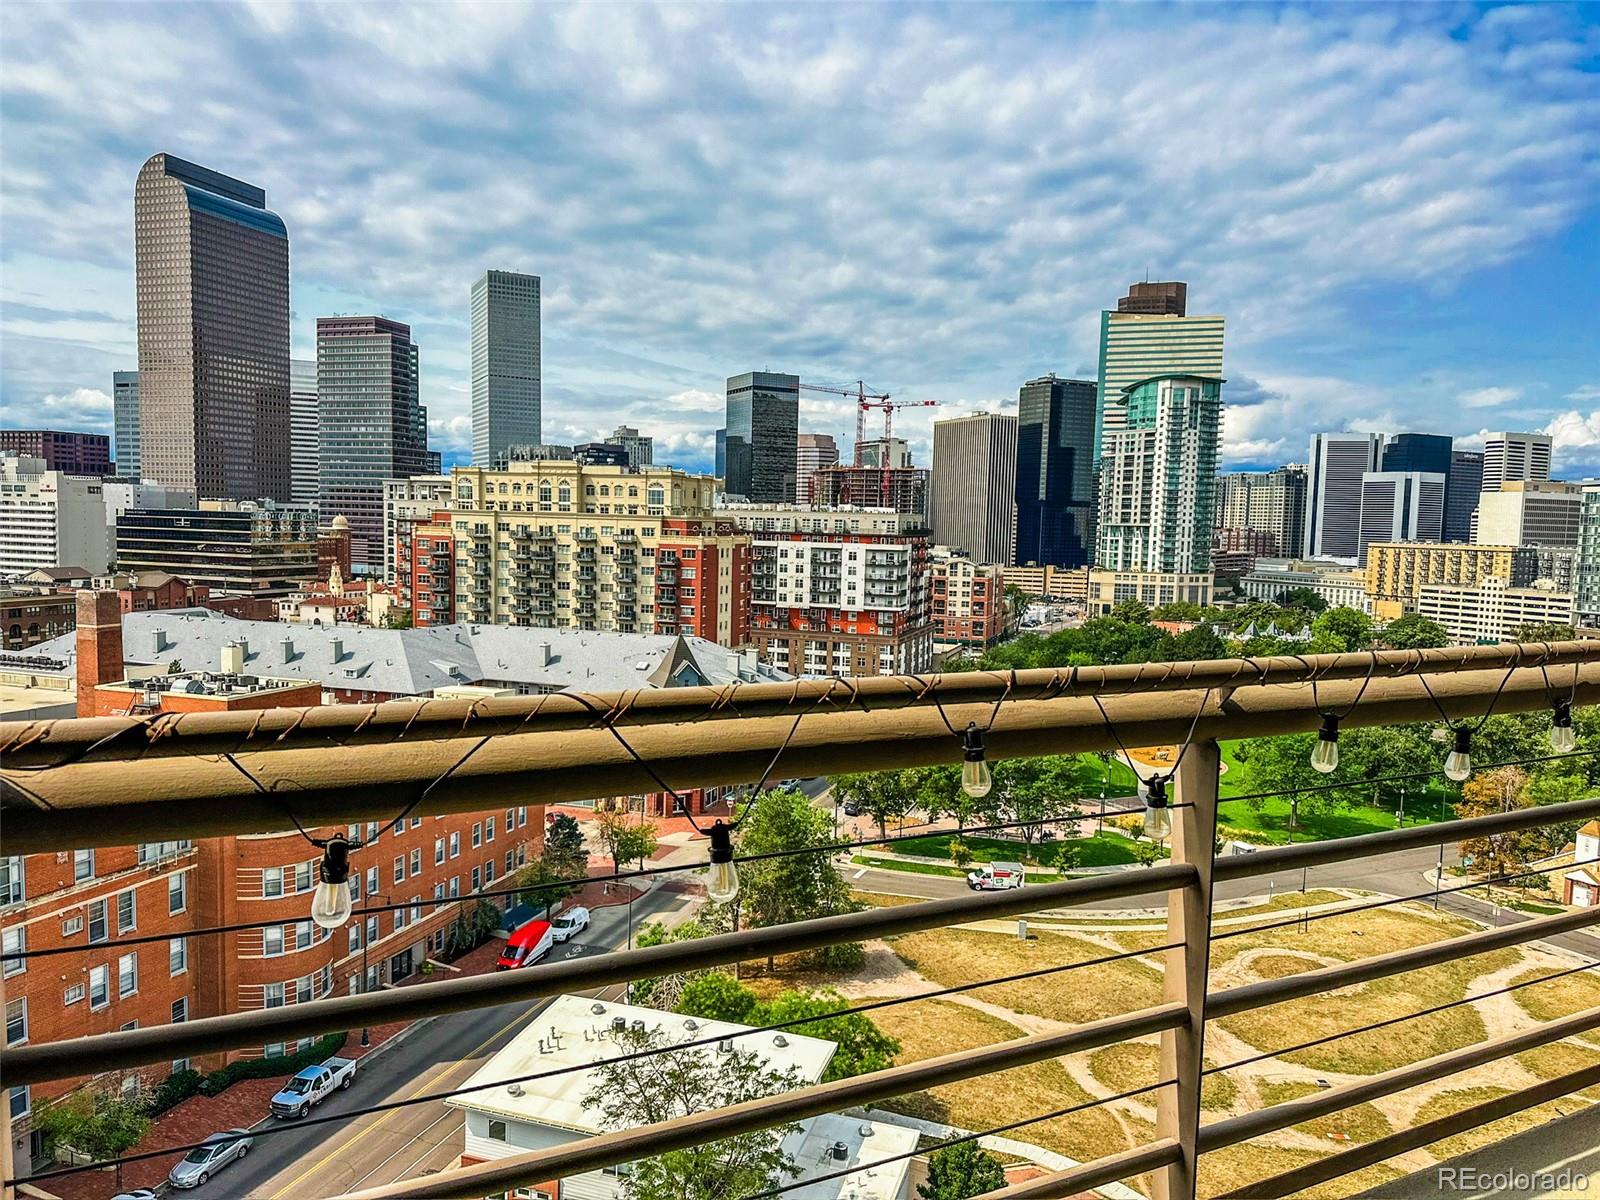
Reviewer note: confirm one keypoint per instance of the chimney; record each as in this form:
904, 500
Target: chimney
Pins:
336, 649
287, 646
233, 658
544, 654
99, 645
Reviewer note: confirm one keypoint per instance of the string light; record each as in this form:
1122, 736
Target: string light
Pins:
1458, 763
976, 777
331, 903
1325, 755
723, 884
1563, 739
1157, 814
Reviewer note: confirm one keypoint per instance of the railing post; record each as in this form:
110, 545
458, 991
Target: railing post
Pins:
1194, 831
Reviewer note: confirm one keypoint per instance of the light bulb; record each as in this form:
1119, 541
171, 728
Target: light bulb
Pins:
976, 778
723, 884
1458, 763
1563, 738
1325, 755
331, 903
1157, 816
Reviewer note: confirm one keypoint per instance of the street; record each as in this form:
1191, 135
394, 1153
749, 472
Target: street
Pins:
326, 1160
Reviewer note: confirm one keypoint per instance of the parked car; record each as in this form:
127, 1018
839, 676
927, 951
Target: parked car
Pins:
312, 1086
526, 946
137, 1194
206, 1159
996, 877
572, 921
852, 809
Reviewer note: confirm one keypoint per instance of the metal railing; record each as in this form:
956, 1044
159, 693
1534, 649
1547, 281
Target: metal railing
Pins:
594, 746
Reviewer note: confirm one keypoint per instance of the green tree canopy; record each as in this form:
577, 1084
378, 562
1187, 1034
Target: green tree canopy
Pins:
1302, 597
1415, 632
564, 851
1340, 630
797, 886
961, 1171
883, 795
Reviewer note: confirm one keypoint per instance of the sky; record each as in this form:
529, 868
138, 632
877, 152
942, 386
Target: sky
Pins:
1396, 208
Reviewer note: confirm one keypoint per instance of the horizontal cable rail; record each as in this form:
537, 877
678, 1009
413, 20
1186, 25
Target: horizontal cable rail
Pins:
126, 1048
607, 1149
45, 744
116, 800
1162, 1152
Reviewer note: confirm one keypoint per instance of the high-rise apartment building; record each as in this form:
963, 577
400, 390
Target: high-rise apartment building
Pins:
256, 548
1156, 299
1055, 488
305, 479
212, 281
125, 423
1334, 471
370, 426
1400, 506
974, 491
640, 448
1508, 457
967, 599
1461, 494
1135, 346
405, 501
563, 543
763, 432
1396, 572
813, 451
67, 451
49, 518
1272, 503
507, 365
1494, 611
1531, 513
1586, 565
1159, 476
838, 591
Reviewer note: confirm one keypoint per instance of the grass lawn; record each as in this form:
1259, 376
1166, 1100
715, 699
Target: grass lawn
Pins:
1559, 997
1232, 1168
911, 868
1133, 1064
1362, 1123
1102, 850
1269, 824
1561, 1058
1445, 1103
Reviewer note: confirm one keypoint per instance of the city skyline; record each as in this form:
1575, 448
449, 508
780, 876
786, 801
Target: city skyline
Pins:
1406, 289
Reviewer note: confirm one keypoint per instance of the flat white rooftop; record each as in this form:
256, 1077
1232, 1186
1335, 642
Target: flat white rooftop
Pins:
816, 1146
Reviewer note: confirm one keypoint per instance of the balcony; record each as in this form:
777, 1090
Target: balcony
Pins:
69, 784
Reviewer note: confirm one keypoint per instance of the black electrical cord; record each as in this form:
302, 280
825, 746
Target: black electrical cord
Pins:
1405, 777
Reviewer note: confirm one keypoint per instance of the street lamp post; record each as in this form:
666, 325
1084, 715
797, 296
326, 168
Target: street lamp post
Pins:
366, 940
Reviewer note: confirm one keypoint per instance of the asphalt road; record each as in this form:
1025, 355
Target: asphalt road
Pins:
326, 1160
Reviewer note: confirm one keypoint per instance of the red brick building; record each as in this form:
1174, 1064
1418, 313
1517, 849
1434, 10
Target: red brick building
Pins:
69, 452
703, 581
968, 600
425, 569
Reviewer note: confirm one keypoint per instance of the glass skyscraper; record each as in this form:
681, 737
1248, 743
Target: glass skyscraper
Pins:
763, 436
1152, 336
304, 477
1055, 475
507, 396
370, 425
212, 282
125, 423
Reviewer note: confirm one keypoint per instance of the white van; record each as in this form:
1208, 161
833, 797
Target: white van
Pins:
996, 877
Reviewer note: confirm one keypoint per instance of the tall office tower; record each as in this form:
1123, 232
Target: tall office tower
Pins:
1337, 465
1159, 477
66, 450
212, 277
639, 447
506, 364
1526, 512
125, 423
889, 452
370, 427
1160, 299
973, 501
763, 436
1055, 482
304, 479
1428, 452
1511, 456
1400, 506
1272, 503
1135, 346
1461, 494
720, 470
813, 451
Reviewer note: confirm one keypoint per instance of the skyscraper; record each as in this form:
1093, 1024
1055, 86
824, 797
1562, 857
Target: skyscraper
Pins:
1333, 491
1159, 477
1511, 456
1149, 339
813, 451
763, 432
1272, 502
370, 426
212, 277
1461, 494
639, 447
975, 485
125, 423
304, 479
1055, 481
506, 364
1400, 506
721, 456
1417, 452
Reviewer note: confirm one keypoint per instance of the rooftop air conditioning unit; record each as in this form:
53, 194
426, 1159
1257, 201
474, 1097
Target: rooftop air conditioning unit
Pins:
840, 1152
638, 1025
618, 1024
725, 1045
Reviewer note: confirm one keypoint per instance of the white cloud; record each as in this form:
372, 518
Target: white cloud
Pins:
1573, 429
1587, 394
1489, 397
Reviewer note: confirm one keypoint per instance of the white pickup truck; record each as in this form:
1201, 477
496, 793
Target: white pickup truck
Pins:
312, 1086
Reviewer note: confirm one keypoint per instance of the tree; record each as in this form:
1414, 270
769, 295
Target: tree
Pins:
99, 1124
882, 795
718, 996
1134, 611
1548, 631
1415, 632
1302, 597
1281, 766
624, 837
1340, 630
664, 1086
564, 851
1178, 610
1148, 853
960, 853
1032, 793
665, 991
937, 791
960, 1171
398, 618
1503, 790
795, 887
542, 885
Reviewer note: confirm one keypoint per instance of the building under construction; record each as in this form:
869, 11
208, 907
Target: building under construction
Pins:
903, 489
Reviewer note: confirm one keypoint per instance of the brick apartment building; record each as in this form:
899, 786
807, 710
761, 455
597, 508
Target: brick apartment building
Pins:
173, 891
967, 599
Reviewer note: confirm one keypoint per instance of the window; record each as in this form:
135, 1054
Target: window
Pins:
17, 1021
416, 908
372, 930
302, 877
399, 868
21, 1102
14, 941
511, 861
416, 822
272, 997
455, 885
416, 861
372, 881
273, 1049
305, 989
455, 844
522, 815
177, 955
99, 986
355, 938
271, 882
304, 934
438, 893
72, 994
497, 1131
150, 852
71, 925
11, 879
127, 912
127, 975
438, 851
488, 871
82, 865
180, 1010
272, 941
477, 834
177, 892
511, 819
477, 878
399, 919
97, 921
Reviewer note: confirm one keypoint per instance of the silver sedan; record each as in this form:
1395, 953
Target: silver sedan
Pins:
206, 1159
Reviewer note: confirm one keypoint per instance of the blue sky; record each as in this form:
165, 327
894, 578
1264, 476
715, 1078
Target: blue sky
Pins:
1395, 207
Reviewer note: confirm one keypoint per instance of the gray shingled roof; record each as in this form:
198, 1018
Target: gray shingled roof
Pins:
416, 662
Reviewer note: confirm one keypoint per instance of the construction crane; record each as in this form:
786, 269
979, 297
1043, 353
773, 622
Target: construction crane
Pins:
865, 401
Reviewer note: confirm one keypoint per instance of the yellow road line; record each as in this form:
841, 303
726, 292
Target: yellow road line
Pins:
425, 1086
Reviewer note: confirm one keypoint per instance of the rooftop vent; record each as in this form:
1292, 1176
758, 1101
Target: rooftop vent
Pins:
515, 1089
779, 1040
725, 1045
159, 635
336, 649
691, 1024
638, 1025
597, 1009
544, 654
618, 1024
287, 647
840, 1152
